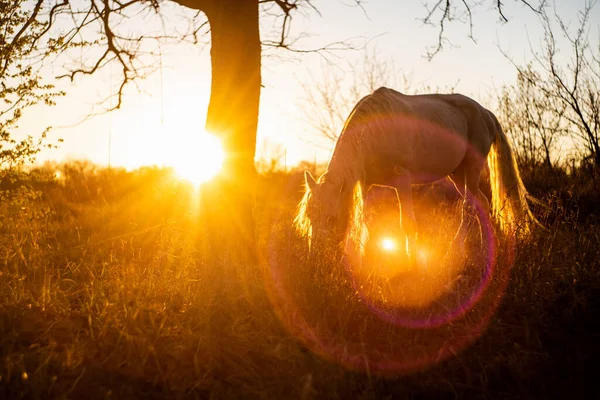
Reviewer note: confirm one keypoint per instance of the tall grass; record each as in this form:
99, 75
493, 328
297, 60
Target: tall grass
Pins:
108, 289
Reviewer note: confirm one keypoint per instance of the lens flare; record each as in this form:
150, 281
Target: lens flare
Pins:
388, 244
417, 317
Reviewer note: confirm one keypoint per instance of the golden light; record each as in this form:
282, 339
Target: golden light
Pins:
423, 255
388, 244
199, 159
413, 279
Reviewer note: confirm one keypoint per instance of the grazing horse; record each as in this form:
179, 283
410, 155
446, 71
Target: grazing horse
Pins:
393, 139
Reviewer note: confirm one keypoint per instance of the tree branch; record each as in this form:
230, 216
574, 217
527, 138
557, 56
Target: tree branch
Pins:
445, 10
32, 19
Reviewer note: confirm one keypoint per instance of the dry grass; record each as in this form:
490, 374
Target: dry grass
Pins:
108, 289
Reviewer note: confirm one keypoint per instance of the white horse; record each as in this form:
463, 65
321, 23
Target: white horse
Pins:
397, 140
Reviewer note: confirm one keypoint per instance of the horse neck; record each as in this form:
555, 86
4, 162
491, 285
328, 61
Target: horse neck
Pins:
345, 170
346, 164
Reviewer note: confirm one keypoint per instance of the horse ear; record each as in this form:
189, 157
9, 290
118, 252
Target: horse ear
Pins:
310, 181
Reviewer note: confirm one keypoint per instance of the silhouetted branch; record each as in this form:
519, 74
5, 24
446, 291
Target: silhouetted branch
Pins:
500, 12
573, 86
287, 9
125, 50
443, 12
201, 5
444, 7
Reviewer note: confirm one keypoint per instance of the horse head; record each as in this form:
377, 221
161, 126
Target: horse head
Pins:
322, 208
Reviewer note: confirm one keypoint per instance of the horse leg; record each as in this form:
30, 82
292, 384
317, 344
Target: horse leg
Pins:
459, 180
408, 222
466, 181
469, 206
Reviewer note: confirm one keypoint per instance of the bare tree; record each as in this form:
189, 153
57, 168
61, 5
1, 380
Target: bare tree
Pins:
440, 13
572, 87
534, 121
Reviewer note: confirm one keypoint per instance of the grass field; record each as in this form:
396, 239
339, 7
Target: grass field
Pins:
109, 289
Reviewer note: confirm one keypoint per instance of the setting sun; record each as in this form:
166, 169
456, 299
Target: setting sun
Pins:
199, 159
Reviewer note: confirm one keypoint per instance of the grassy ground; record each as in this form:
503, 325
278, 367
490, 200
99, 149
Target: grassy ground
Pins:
109, 289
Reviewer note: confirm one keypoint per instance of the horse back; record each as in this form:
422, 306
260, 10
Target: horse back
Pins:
433, 132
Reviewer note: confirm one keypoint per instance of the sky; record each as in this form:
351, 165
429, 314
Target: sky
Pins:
169, 107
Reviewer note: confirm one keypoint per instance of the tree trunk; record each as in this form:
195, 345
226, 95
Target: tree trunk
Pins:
233, 116
236, 82
227, 243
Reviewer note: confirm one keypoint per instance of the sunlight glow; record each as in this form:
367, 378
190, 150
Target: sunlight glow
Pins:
388, 244
199, 159
423, 255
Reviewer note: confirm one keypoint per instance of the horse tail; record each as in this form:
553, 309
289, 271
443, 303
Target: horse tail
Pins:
509, 195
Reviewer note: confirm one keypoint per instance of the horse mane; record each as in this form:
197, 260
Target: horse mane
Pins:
362, 129
301, 220
358, 233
